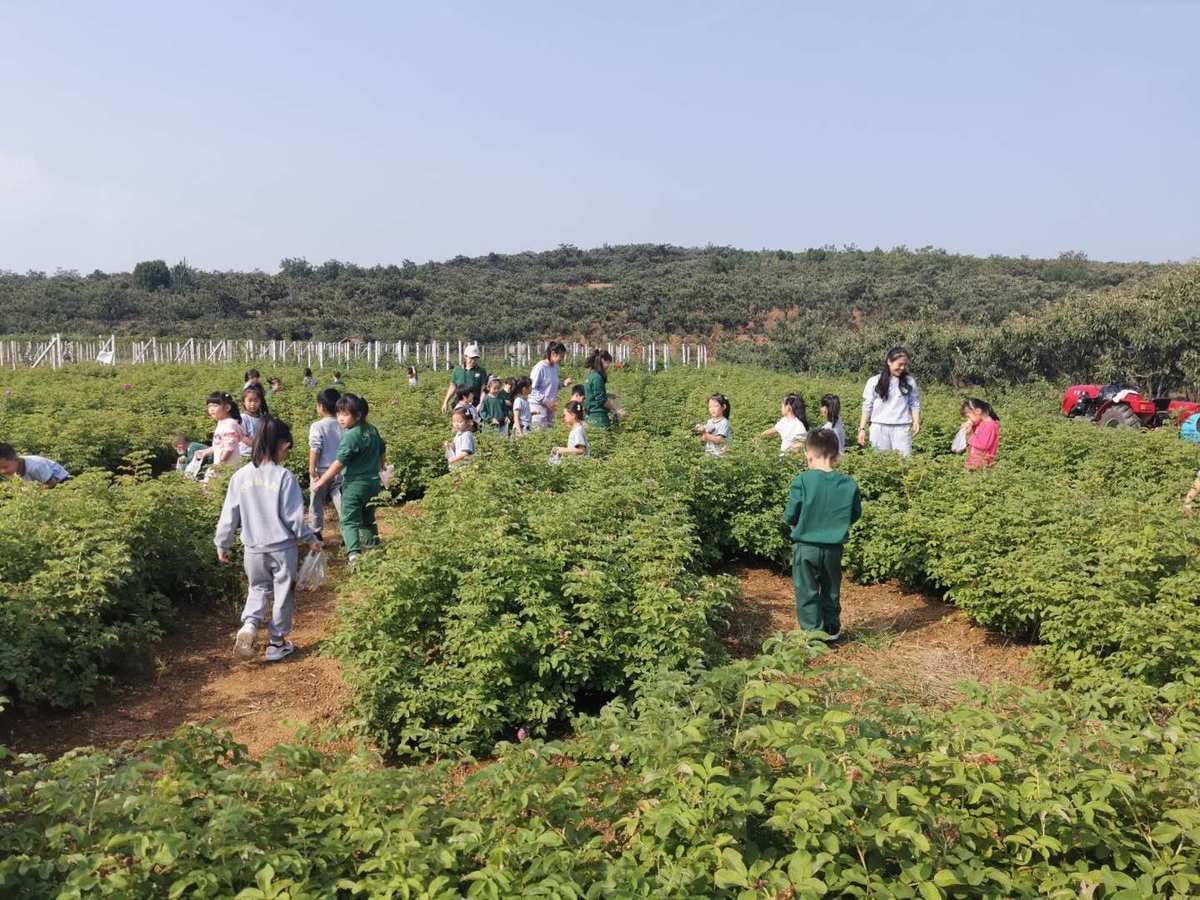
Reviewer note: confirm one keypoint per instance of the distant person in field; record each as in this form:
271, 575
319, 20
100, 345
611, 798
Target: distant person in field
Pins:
264, 500
982, 432
716, 432
493, 412
470, 375
577, 442
412, 376
460, 449
792, 427
28, 467
544, 386
822, 505
337, 378
186, 450
831, 410
254, 413
310, 380
522, 409
276, 386
253, 377
599, 410
361, 457
324, 440
891, 406
228, 436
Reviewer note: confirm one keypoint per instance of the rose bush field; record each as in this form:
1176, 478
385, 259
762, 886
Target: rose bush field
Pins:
581, 603
756, 779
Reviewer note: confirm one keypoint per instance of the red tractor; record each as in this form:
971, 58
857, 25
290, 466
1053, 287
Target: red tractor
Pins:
1114, 405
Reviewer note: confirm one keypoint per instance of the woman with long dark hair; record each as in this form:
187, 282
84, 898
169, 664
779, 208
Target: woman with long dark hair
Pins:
891, 406
598, 408
544, 386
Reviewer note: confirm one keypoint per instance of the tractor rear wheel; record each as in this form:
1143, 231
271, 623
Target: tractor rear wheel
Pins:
1120, 416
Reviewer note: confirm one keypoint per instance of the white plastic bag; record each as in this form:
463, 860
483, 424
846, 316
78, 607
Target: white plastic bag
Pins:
554, 459
312, 572
959, 444
386, 476
192, 470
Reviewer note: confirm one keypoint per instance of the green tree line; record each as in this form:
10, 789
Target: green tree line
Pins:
641, 290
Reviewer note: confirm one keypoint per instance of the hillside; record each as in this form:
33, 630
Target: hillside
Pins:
639, 290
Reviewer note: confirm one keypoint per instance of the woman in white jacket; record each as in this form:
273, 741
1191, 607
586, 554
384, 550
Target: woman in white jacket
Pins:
891, 406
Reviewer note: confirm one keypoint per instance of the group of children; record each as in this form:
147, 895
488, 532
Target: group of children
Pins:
792, 429
506, 409
346, 460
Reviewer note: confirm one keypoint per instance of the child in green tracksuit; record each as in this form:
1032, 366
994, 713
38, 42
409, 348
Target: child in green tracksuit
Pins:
822, 505
360, 459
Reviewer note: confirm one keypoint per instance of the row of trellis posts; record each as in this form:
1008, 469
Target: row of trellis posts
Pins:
56, 351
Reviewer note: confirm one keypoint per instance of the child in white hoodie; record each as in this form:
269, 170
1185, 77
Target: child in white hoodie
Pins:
265, 500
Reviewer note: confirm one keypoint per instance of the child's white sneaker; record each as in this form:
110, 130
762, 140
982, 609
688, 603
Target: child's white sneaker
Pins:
243, 645
276, 652
352, 559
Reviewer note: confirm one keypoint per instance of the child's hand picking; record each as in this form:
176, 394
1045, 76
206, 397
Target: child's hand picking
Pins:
223, 556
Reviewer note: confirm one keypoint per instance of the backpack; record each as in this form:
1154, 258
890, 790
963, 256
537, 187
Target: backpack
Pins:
1189, 430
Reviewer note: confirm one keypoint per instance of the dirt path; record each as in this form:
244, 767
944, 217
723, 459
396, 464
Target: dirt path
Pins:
199, 681
903, 641
909, 645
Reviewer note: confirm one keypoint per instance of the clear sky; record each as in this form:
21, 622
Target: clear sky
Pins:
238, 133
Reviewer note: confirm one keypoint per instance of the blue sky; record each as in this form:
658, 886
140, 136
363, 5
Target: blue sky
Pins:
239, 133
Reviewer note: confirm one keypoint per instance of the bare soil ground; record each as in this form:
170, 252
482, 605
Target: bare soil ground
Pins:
199, 681
906, 643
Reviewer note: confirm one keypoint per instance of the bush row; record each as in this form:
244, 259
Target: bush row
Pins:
754, 779
91, 573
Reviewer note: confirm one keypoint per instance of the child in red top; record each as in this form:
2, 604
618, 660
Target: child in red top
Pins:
983, 433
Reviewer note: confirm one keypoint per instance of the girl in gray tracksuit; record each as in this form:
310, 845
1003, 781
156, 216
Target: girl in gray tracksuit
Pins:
265, 501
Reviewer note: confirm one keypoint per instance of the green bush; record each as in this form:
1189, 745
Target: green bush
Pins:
520, 591
90, 572
745, 781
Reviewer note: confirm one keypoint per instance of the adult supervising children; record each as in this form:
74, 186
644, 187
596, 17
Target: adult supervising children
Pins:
544, 386
822, 505
360, 459
891, 406
598, 408
468, 375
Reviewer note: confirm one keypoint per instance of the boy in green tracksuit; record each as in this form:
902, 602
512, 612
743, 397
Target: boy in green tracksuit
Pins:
822, 505
361, 456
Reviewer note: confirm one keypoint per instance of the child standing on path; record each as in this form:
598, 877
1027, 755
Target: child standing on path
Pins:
822, 505
265, 501
324, 438
360, 459
715, 433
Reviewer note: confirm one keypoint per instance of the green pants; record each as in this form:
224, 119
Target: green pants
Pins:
817, 577
359, 530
